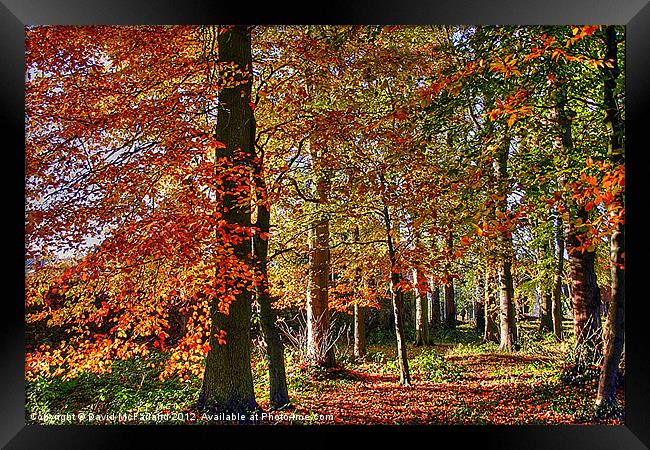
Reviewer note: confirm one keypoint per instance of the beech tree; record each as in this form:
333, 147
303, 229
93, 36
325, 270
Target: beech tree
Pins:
144, 170
228, 381
615, 328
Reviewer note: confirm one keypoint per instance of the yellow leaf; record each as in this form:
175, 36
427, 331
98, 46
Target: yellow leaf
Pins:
478, 229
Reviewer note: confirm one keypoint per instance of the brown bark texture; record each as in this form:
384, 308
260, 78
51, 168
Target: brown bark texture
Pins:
228, 382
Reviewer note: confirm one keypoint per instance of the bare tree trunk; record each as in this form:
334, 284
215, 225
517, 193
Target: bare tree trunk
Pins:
430, 308
359, 349
507, 337
615, 327
585, 296
421, 307
359, 332
434, 310
228, 381
450, 303
479, 306
397, 298
491, 332
507, 327
545, 309
320, 350
545, 292
557, 283
278, 391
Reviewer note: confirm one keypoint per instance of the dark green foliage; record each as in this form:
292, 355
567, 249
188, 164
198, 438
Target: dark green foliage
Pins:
132, 387
433, 367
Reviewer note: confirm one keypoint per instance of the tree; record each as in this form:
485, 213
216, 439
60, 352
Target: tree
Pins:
585, 293
359, 332
279, 393
128, 202
434, 307
615, 327
420, 290
397, 293
228, 381
508, 333
318, 320
359, 321
491, 332
479, 303
450, 303
556, 303
545, 294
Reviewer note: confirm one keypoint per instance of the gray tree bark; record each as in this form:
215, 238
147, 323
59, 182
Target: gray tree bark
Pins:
507, 325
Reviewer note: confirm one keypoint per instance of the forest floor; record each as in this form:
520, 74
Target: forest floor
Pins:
452, 383
458, 380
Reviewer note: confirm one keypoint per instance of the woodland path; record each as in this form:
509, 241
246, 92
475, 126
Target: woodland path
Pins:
487, 388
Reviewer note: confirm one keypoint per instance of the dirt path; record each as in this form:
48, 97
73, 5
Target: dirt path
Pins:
493, 388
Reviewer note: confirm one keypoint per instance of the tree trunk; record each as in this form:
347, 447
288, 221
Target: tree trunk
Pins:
615, 327
507, 327
585, 297
585, 294
479, 307
430, 308
545, 292
397, 298
434, 310
319, 335
278, 391
507, 336
320, 349
359, 349
491, 332
545, 309
421, 309
479, 315
359, 332
228, 381
450, 303
556, 302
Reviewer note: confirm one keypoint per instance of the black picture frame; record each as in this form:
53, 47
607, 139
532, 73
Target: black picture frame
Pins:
16, 14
